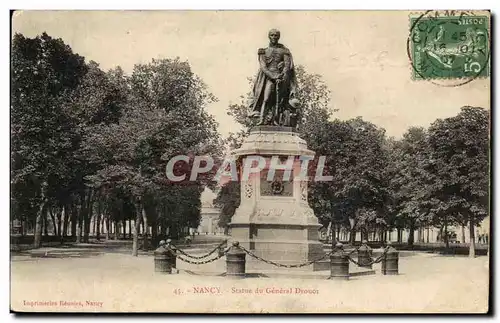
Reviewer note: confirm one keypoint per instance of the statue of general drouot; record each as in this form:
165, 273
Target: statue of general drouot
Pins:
275, 87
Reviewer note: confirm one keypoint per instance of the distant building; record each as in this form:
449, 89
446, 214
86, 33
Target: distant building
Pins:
209, 223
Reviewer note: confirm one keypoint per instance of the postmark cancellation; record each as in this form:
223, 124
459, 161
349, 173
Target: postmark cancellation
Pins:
448, 45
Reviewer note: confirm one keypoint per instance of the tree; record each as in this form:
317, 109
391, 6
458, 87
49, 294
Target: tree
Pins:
44, 73
459, 150
356, 159
165, 117
410, 202
228, 200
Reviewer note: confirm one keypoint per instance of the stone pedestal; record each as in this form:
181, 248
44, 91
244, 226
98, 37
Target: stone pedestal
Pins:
275, 221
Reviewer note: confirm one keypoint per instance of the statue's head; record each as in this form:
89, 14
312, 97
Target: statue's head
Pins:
274, 36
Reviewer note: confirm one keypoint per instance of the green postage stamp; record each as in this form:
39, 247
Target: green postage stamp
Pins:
449, 46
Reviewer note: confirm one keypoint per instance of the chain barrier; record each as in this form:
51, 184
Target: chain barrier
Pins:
251, 254
373, 261
203, 256
353, 251
350, 252
222, 254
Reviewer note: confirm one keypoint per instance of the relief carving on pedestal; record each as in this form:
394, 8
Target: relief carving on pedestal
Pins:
303, 191
309, 213
276, 187
248, 190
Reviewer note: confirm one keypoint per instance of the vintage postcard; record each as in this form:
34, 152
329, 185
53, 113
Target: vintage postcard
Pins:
250, 161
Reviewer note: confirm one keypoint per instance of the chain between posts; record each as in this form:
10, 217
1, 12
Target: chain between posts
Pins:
353, 251
199, 257
373, 261
251, 254
220, 255
350, 252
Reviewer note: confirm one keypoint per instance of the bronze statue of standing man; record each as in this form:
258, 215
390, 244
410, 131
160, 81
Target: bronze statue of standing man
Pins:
275, 85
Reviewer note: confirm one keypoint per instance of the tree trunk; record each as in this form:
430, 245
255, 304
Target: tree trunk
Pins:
163, 231
463, 233
353, 236
144, 223
37, 243
23, 227
88, 225
59, 222
108, 228
65, 222
428, 233
81, 218
98, 224
130, 228
88, 215
472, 244
74, 219
86, 231
79, 231
411, 235
124, 224
330, 232
154, 232
446, 240
135, 238
103, 222
54, 222
364, 234
45, 225
117, 230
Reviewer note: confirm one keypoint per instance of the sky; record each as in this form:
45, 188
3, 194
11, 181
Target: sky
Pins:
361, 56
